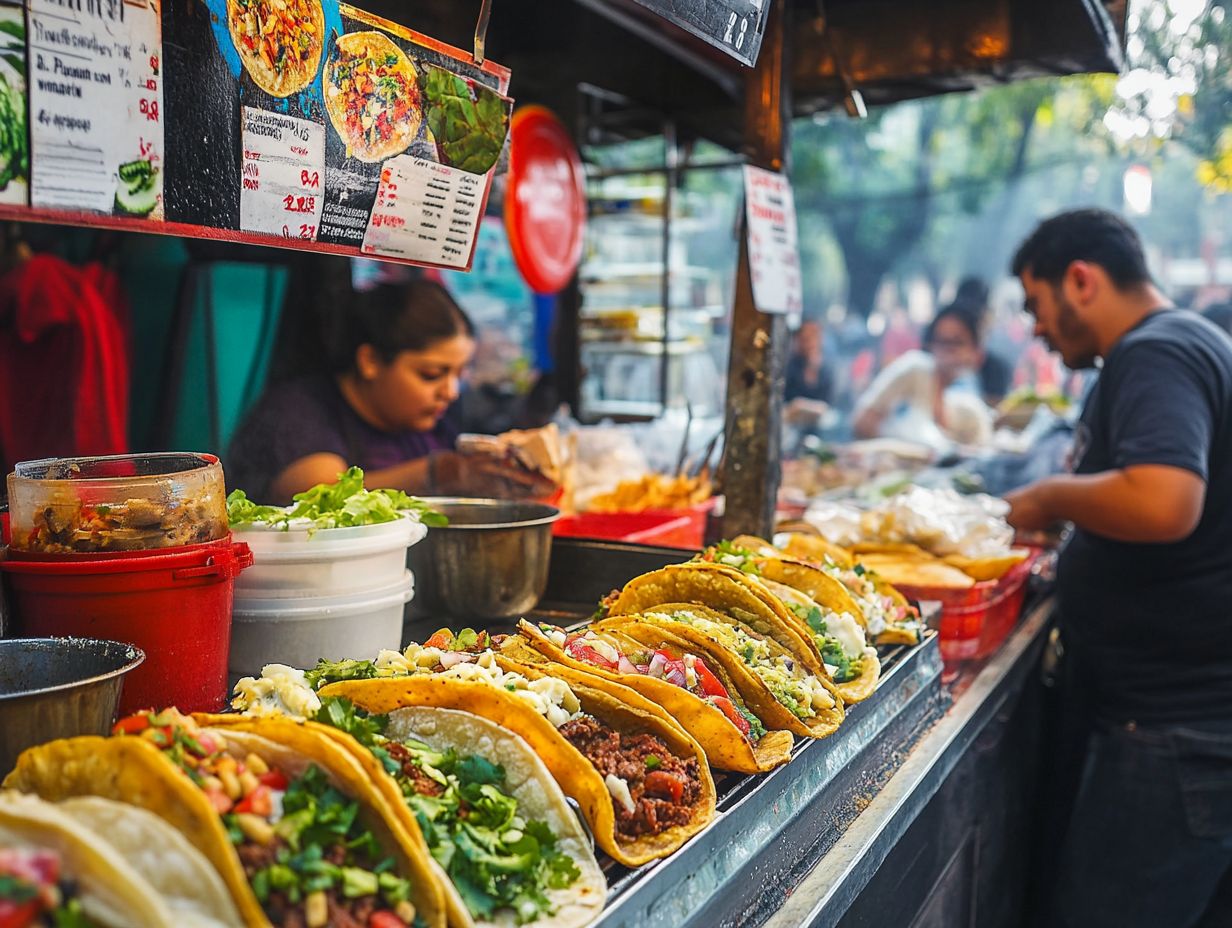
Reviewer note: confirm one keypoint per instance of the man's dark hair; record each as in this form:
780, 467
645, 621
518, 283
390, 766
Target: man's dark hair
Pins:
1093, 235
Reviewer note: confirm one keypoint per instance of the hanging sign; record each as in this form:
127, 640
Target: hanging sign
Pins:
735, 26
302, 123
774, 254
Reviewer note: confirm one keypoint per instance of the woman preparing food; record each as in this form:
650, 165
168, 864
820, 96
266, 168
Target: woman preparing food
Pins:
397, 367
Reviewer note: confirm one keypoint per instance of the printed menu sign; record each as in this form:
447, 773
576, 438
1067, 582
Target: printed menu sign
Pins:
96, 121
774, 255
735, 26
282, 175
425, 212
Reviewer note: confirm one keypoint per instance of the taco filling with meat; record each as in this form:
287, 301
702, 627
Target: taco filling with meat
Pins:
372, 95
495, 856
798, 691
307, 856
685, 670
279, 41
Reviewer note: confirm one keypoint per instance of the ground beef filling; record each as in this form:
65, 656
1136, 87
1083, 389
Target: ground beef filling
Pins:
343, 913
420, 782
663, 787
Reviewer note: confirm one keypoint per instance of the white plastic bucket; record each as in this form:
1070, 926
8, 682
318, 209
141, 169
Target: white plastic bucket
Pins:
300, 631
329, 562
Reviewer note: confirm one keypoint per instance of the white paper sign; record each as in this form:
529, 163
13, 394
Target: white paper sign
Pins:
96, 122
282, 176
425, 212
774, 255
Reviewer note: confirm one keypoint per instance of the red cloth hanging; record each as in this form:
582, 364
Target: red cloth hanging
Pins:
63, 362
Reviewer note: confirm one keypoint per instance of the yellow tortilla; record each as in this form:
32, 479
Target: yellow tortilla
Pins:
627, 713
296, 44
808, 547
725, 747
349, 105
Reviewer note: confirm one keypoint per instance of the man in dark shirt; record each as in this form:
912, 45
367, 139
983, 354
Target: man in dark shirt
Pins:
1144, 586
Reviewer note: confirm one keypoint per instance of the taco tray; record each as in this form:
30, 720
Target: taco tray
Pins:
772, 828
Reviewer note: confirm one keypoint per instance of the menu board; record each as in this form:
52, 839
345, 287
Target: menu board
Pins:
774, 254
301, 123
735, 26
95, 103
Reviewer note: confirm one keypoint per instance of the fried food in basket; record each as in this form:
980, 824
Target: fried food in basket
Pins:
654, 491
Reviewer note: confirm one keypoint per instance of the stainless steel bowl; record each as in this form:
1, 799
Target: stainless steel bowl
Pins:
57, 688
490, 562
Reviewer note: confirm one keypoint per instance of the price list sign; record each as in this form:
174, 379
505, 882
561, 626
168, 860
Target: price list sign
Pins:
774, 254
735, 26
282, 175
96, 121
425, 212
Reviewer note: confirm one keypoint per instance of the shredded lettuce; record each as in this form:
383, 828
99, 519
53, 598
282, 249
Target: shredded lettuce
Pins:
342, 504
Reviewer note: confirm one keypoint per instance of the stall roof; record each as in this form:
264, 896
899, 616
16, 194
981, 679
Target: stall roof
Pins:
888, 50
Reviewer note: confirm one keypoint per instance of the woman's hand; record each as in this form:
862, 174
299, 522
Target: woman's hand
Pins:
454, 474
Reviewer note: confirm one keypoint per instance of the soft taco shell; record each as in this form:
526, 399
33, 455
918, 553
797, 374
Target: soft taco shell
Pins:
757, 696
292, 79
113, 893
813, 582
986, 568
815, 548
896, 569
569, 767
854, 690
726, 590
132, 770
725, 747
356, 45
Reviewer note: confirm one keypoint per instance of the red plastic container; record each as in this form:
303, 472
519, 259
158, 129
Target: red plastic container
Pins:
667, 528
975, 621
173, 603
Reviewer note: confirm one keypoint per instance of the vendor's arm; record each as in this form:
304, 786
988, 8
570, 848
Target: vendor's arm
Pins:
1146, 503
897, 383
1160, 416
411, 476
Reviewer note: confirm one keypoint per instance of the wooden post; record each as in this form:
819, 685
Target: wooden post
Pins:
758, 358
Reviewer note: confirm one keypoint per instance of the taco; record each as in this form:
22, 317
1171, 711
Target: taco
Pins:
886, 614
372, 96
641, 780
694, 690
781, 691
821, 608
94, 863
291, 823
814, 548
509, 848
726, 589
279, 42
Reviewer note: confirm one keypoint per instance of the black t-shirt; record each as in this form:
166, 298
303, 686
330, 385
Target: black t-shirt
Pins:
798, 385
1152, 623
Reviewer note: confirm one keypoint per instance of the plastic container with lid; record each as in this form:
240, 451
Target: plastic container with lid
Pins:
129, 502
327, 562
300, 631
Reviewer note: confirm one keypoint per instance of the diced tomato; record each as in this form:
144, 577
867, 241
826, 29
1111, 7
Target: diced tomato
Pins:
208, 744
725, 705
132, 725
19, 916
219, 800
584, 652
441, 639
38, 866
385, 920
258, 802
662, 783
274, 779
710, 684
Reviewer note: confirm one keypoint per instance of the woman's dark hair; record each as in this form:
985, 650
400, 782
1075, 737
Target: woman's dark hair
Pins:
963, 313
394, 318
1093, 235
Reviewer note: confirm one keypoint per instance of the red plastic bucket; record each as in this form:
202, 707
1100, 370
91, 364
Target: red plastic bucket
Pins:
174, 604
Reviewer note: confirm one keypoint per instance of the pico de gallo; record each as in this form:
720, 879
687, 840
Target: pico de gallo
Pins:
308, 858
35, 893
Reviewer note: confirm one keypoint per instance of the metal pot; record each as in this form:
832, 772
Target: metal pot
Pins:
490, 562
58, 688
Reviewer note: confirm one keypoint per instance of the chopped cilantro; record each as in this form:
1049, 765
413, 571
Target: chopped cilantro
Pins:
326, 672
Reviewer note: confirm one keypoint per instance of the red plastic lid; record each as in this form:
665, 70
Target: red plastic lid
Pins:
545, 202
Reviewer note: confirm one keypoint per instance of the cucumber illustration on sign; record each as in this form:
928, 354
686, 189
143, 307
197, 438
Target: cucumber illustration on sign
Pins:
138, 190
14, 133
468, 121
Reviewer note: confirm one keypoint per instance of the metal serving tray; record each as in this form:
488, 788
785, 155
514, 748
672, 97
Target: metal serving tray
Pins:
770, 829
